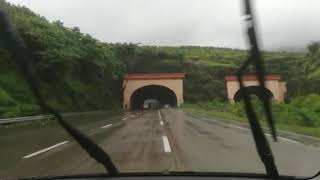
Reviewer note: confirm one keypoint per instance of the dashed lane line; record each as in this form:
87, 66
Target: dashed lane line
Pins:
96, 131
59, 144
160, 117
44, 150
166, 144
124, 119
108, 125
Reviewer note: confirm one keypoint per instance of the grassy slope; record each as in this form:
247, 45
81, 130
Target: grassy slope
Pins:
77, 72
74, 69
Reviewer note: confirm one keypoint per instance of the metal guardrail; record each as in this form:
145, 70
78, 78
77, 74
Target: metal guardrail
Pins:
40, 117
23, 119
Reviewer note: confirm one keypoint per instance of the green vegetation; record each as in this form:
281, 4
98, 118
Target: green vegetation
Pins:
301, 115
79, 73
74, 69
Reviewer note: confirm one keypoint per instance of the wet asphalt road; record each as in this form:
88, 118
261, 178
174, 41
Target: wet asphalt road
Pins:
170, 139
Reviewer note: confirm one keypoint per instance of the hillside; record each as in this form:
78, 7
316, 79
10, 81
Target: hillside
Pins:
79, 73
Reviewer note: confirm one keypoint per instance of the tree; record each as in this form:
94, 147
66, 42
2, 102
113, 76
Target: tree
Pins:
58, 22
314, 47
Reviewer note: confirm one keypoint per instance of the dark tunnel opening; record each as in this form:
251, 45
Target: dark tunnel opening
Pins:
163, 94
253, 90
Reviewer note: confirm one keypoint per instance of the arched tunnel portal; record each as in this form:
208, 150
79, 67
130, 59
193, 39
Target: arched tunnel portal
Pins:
161, 93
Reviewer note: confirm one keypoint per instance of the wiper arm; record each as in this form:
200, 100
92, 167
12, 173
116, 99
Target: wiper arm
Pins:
260, 139
14, 43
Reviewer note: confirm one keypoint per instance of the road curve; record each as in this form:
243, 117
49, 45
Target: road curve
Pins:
169, 139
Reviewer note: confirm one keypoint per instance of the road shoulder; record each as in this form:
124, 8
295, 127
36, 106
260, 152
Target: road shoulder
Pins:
304, 139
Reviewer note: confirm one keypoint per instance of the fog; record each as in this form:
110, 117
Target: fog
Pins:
282, 24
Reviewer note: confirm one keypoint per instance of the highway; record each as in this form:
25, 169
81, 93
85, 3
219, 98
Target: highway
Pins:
166, 139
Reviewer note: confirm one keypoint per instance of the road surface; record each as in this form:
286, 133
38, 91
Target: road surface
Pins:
167, 139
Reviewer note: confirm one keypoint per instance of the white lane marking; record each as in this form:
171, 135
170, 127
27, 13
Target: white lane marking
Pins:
238, 127
124, 119
285, 139
108, 125
161, 123
289, 140
159, 115
93, 133
44, 150
166, 144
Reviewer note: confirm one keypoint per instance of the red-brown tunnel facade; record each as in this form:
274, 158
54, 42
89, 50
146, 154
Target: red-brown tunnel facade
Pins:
161, 93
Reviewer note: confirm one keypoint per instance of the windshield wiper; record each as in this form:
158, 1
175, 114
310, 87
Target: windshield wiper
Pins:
11, 40
255, 58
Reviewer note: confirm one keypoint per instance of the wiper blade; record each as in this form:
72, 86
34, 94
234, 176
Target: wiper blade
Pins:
14, 44
255, 58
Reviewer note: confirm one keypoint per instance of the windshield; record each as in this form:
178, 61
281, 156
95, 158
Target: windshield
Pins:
147, 86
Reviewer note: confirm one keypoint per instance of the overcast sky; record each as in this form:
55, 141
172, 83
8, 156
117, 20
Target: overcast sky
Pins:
282, 23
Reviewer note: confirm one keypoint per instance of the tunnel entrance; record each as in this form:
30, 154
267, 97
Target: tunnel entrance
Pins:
253, 90
151, 104
144, 94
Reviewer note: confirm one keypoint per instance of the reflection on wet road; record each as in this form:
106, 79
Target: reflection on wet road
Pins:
168, 139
